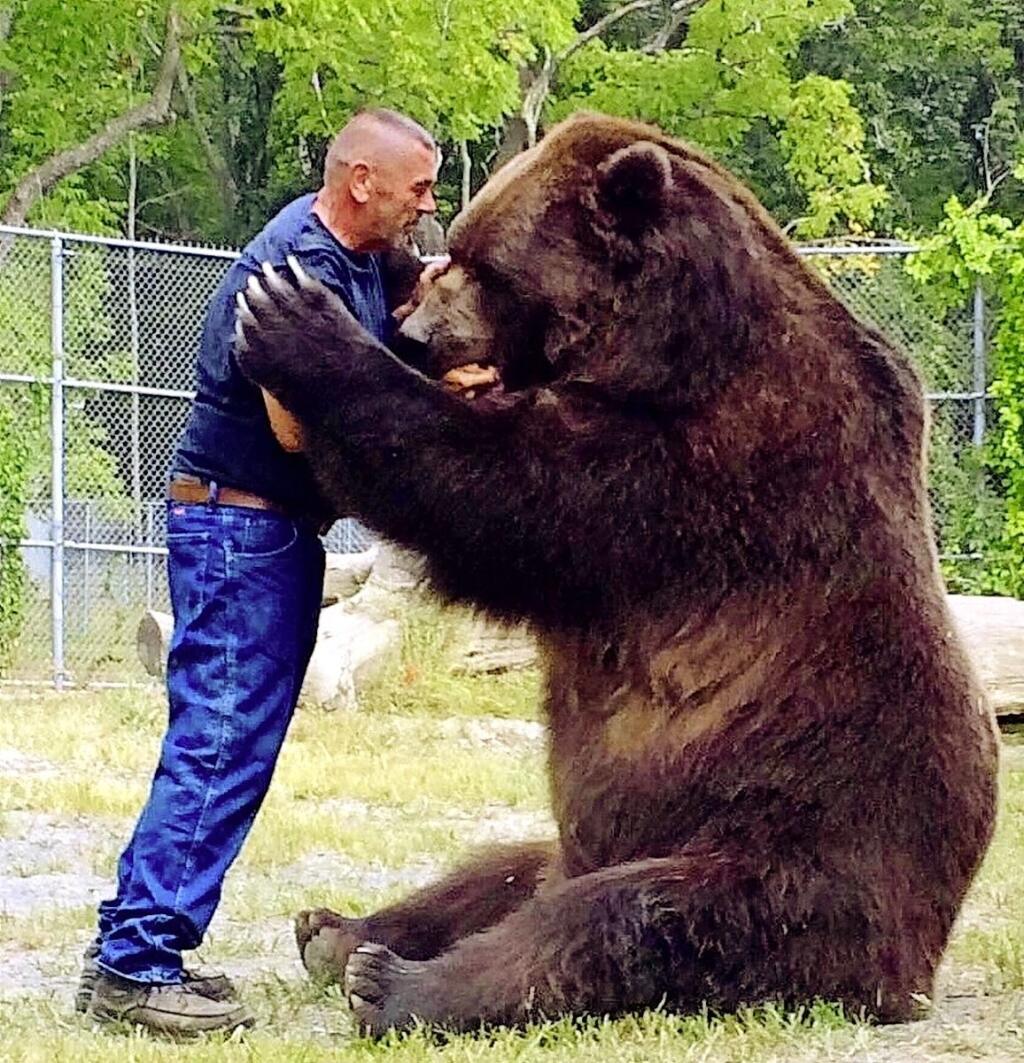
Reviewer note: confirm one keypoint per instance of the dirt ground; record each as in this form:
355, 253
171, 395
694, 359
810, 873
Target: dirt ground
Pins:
55, 867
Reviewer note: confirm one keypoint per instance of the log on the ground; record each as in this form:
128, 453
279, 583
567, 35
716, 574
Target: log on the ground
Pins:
152, 638
351, 644
344, 574
490, 647
993, 630
351, 648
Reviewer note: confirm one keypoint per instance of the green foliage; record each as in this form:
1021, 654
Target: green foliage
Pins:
68, 69
731, 68
14, 453
975, 244
452, 65
67, 81
845, 115
269, 83
824, 141
732, 71
939, 85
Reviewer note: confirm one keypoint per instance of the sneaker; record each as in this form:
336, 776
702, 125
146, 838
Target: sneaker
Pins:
176, 1010
212, 986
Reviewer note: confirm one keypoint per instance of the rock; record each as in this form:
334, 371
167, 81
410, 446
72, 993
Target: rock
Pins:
396, 571
490, 647
152, 638
351, 648
396, 578
346, 573
993, 629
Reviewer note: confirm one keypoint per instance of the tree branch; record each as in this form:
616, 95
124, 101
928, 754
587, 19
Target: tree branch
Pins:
467, 173
6, 21
601, 25
214, 156
539, 84
153, 112
679, 12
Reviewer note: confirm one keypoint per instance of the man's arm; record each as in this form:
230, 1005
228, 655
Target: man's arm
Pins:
287, 430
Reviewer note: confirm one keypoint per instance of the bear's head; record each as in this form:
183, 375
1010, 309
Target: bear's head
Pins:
613, 257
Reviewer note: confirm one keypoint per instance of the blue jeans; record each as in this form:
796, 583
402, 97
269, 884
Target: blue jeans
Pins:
245, 587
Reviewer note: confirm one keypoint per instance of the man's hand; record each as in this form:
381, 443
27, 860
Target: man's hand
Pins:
430, 273
466, 380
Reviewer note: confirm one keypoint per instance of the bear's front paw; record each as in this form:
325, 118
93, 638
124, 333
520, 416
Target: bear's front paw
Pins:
326, 940
287, 328
383, 990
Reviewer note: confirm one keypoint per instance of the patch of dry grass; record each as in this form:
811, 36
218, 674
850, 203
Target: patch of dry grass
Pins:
365, 805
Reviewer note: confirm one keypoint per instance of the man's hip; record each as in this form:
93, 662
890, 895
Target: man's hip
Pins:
191, 490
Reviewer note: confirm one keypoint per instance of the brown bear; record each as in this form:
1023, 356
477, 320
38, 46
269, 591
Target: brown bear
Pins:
772, 768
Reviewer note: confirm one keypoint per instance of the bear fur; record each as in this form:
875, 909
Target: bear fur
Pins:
771, 765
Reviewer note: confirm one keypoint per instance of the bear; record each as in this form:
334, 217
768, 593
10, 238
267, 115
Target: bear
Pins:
702, 484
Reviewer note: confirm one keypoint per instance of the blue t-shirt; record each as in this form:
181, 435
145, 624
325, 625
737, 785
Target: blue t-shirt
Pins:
227, 437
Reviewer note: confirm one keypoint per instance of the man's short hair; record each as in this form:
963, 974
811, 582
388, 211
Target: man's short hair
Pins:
338, 152
400, 122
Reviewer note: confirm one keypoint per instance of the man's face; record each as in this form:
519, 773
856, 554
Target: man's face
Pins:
403, 189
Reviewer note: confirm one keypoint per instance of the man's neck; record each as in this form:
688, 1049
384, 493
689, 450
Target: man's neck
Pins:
340, 224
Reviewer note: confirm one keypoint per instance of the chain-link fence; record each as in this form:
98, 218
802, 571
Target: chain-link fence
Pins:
97, 346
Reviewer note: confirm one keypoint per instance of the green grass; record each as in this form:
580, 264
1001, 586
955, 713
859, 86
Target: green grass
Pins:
417, 683
991, 937
60, 927
363, 802
42, 1032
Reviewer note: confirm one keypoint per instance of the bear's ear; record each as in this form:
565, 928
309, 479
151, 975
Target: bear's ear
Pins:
632, 187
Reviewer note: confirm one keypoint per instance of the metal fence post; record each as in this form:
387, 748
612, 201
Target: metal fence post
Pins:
149, 557
57, 462
979, 383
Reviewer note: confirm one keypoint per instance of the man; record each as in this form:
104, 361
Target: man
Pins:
245, 567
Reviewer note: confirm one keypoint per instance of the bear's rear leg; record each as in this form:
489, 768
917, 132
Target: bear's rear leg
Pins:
475, 896
723, 929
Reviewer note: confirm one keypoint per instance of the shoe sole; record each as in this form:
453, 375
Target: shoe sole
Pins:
218, 987
160, 1022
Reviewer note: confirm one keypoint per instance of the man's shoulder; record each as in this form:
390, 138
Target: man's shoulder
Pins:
291, 228
296, 230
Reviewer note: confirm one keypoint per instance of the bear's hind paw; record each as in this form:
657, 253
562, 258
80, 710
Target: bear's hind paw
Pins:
381, 989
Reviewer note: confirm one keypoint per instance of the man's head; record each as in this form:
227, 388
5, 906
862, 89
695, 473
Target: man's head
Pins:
378, 179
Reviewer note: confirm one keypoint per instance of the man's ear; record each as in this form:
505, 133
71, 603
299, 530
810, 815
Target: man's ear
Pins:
632, 188
360, 181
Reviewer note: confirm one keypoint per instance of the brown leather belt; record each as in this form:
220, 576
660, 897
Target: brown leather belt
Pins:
189, 491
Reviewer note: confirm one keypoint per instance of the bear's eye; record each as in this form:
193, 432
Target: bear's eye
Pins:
489, 277
502, 291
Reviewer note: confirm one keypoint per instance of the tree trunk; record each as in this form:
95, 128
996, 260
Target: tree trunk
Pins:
536, 83
223, 177
6, 20
467, 173
155, 111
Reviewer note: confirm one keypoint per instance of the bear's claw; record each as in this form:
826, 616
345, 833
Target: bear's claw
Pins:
378, 985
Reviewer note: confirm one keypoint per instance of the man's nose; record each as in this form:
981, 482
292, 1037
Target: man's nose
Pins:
427, 203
